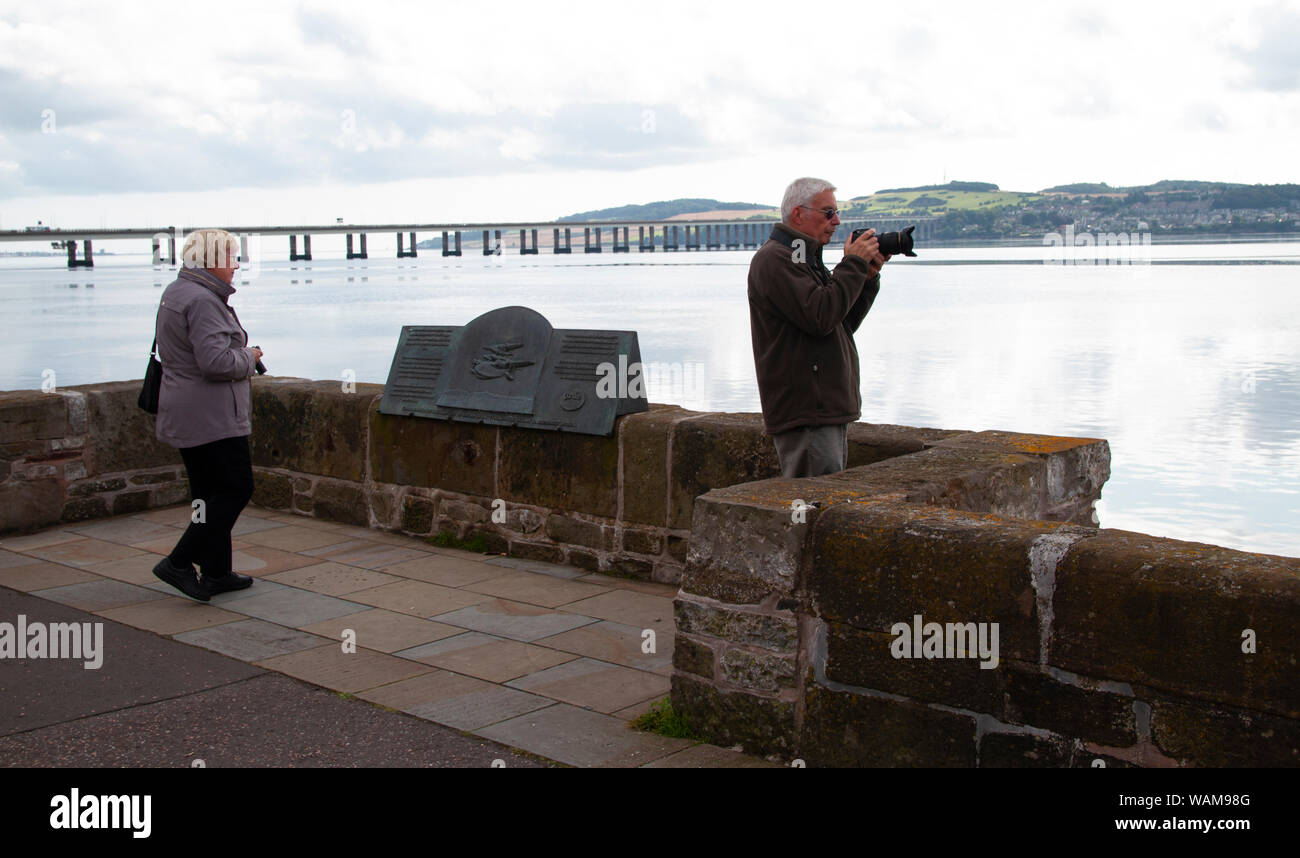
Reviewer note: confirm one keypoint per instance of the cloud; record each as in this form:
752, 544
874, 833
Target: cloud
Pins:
1273, 56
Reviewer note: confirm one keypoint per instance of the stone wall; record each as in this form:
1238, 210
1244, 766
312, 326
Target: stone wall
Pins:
621, 505
1114, 648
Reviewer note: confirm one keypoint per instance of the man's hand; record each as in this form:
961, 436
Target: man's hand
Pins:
877, 263
257, 353
867, 246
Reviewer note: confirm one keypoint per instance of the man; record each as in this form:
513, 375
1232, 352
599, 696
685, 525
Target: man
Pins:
802, 318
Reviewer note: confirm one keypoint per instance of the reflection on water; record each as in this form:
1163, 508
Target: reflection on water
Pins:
1191, 369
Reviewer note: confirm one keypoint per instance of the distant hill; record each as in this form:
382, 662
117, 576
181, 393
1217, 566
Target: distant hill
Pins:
663, 210
951, 186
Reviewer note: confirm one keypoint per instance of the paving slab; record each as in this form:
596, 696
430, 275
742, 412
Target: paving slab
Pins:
629, 607
137, 667
446, 571
294, 608
479, 709
251, 640
418, 598
542, 590
514, 620
594, 684
125, 530
333, 579
374, 555
653, 588
9, 559
293, 538
99, 594
262, 561
82, 551
132, 570
38, 540
348, 672
617, 643
250, 523
385, 631
177, 515
486, 657
428, 687
169, 616
538, 566
578, 737
42, 575
711, 757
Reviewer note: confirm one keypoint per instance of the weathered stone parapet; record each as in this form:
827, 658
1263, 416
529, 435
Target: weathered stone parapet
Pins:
1111, 647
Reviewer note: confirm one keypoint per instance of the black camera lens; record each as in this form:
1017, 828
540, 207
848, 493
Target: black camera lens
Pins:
892, 243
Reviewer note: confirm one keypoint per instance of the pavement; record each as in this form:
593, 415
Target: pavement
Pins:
353, 647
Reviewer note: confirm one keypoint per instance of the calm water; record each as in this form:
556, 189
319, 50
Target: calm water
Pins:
1190, 366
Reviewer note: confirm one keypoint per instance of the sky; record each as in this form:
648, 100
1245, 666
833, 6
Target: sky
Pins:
145, 113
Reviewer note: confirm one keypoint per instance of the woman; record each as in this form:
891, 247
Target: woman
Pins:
204, 410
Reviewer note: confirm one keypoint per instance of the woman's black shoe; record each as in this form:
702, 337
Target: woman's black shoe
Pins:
225, 583
184, 580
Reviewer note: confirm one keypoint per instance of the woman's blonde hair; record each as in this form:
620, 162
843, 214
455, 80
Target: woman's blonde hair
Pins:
210, 248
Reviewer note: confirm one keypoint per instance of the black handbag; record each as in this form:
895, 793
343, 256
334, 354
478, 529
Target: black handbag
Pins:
152, 382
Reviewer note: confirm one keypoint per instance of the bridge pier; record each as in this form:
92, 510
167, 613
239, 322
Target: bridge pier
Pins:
586, 237
490, 249
692, 244
445, 251
620, 248
524, 248
362, 254
406, 254
642, 246
713, 236
294, 255
733, 236
673, 245
555, 241
73, 262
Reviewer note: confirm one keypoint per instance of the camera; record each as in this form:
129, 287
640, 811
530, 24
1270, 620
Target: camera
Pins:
892, 243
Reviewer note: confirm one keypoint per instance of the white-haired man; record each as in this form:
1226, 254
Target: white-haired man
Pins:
802, 318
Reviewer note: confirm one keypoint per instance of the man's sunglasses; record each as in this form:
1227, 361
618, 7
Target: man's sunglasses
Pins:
826, 213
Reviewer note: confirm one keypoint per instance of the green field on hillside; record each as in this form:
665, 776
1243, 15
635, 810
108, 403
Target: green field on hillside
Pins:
935, 202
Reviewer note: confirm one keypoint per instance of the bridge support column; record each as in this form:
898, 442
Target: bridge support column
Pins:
243, 248
673, 245
294, 255
642, 245
692, 244
362, 254
88, 261
733, 236
620, 248
524, 247
556, 247
445, 250
490, 248
586, 237
157, 250
404, 254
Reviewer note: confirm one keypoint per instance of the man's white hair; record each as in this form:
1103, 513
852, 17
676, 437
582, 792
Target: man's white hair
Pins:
800, 193
210, 248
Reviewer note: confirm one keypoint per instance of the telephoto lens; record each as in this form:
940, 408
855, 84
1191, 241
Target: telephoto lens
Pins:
892, 243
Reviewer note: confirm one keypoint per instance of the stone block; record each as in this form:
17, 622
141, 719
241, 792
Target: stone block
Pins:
272, 490
128, 502
757, 670
470, 511
693, 657
94, 487
677, 546
313, 427
170, 493
578, 473
339, 501
83, 509
494, 542
875, 442
1171, 615
1039, 700
30, 505
383, 505
575, 531
121, 437
1216, 736
761, 725
645, 440
31, 415
441, 454
536, 551
632, 567
843, 729
777, 632
876, 564
417, 514
863, 659
583, 559
152, 478
642, 541
1019, 751
714, 451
